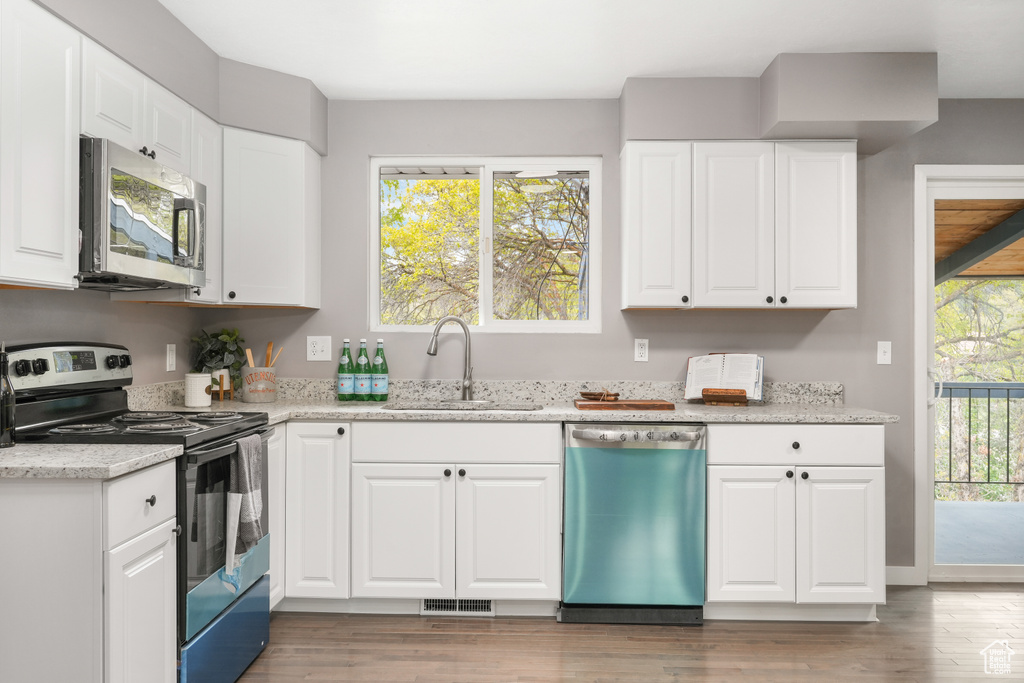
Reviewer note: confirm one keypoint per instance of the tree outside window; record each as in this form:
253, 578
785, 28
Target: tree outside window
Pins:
509, 245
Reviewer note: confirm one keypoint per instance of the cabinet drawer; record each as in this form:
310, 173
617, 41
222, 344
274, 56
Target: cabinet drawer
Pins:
126, 508
458, 442
796, 444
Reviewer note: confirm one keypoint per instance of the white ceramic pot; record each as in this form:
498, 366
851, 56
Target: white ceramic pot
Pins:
197, 389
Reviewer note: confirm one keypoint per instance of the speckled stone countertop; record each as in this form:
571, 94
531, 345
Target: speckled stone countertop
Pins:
80, 461
314, 399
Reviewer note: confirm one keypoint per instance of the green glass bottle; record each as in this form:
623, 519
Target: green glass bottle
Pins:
379, 374
346, 373
361, 391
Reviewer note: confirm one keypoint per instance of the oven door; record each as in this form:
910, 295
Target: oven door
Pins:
205, 588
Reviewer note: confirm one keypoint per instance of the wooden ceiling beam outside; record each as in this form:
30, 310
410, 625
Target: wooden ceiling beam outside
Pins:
982, 247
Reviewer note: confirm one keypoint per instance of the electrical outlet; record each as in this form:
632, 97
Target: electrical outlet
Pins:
640, 350
885, 353
318, 348
171, 358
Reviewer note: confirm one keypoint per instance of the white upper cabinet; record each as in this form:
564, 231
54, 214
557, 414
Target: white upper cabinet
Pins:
167, 127
121, 104
733, 224
40, 60
656, 224
816, 224
271, 221
763, 224
207, 159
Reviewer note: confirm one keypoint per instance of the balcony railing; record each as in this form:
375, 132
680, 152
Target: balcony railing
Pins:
979, 433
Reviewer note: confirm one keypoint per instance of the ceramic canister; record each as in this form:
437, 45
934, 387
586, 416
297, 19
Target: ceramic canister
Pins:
259, 385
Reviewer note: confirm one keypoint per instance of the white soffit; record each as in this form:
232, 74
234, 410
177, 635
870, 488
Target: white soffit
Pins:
552, 49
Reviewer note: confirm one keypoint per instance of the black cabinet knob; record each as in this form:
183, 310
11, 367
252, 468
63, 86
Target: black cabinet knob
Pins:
177, 530
146, 152
447, 473
462, 473
789, 474
341, 431
796, 445
686, 299
231, 295
151, 500
769, 299
783, 299
804, 475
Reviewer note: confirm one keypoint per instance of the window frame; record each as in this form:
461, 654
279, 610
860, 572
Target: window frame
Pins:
488, 167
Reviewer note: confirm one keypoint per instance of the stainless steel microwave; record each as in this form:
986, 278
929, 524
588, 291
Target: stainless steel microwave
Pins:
143, 224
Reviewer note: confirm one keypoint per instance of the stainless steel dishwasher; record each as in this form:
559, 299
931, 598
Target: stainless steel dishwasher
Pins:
634, 525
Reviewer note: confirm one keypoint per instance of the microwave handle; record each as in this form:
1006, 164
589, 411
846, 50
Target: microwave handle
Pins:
188, 206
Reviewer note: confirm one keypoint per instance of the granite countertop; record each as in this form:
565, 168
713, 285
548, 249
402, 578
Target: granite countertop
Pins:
811, 403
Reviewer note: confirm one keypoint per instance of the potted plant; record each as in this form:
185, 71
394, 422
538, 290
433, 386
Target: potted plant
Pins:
219, 351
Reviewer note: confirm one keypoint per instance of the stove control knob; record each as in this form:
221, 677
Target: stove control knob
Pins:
22, 367
125, 360
112, 362
40, 366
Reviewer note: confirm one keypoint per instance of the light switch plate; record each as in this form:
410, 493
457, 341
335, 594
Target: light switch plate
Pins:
318, 348
885, 353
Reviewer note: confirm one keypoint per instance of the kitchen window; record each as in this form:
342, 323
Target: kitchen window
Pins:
506, 244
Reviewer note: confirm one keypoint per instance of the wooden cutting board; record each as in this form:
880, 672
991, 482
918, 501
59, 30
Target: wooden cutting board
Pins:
583, 404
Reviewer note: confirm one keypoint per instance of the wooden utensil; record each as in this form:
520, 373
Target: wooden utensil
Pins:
248, 354
279, 350
270, 349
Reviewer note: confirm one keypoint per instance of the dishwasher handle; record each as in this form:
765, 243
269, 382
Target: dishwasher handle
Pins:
636, 435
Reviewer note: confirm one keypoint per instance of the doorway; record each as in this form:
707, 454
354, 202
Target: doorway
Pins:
939, 184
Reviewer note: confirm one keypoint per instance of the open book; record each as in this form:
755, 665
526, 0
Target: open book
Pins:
725, 371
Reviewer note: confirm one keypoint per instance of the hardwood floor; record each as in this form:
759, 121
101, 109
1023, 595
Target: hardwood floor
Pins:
929, 633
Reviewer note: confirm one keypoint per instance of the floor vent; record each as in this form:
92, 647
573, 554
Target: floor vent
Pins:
452, 607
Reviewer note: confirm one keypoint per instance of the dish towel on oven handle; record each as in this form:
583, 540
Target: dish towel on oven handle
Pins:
244, 507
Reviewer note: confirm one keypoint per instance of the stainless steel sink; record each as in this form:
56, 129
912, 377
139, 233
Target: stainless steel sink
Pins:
461, 404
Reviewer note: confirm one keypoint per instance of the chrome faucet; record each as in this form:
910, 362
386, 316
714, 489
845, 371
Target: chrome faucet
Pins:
467, 374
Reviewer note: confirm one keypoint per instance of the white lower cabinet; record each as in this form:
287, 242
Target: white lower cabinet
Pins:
456, 530
467, 527
796, 514
93, 579
140, 607
277, 481
317, 510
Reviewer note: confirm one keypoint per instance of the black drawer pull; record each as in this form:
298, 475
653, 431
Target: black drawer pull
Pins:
796, 445
151, 500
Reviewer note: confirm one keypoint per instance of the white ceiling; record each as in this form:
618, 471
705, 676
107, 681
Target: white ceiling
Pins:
524, 49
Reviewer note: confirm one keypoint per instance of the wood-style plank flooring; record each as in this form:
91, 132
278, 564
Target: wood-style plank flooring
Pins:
928, 633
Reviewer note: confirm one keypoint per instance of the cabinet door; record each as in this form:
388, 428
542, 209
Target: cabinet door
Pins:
276, 496
656, 224
733, 224
508, 525
112, 94
167, 127
40, 60
840, 531
816, 224
271, 207
208, 169
403, 531
140, 608
751, 544
316, 536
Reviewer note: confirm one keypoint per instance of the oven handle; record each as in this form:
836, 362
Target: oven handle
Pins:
204, 456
